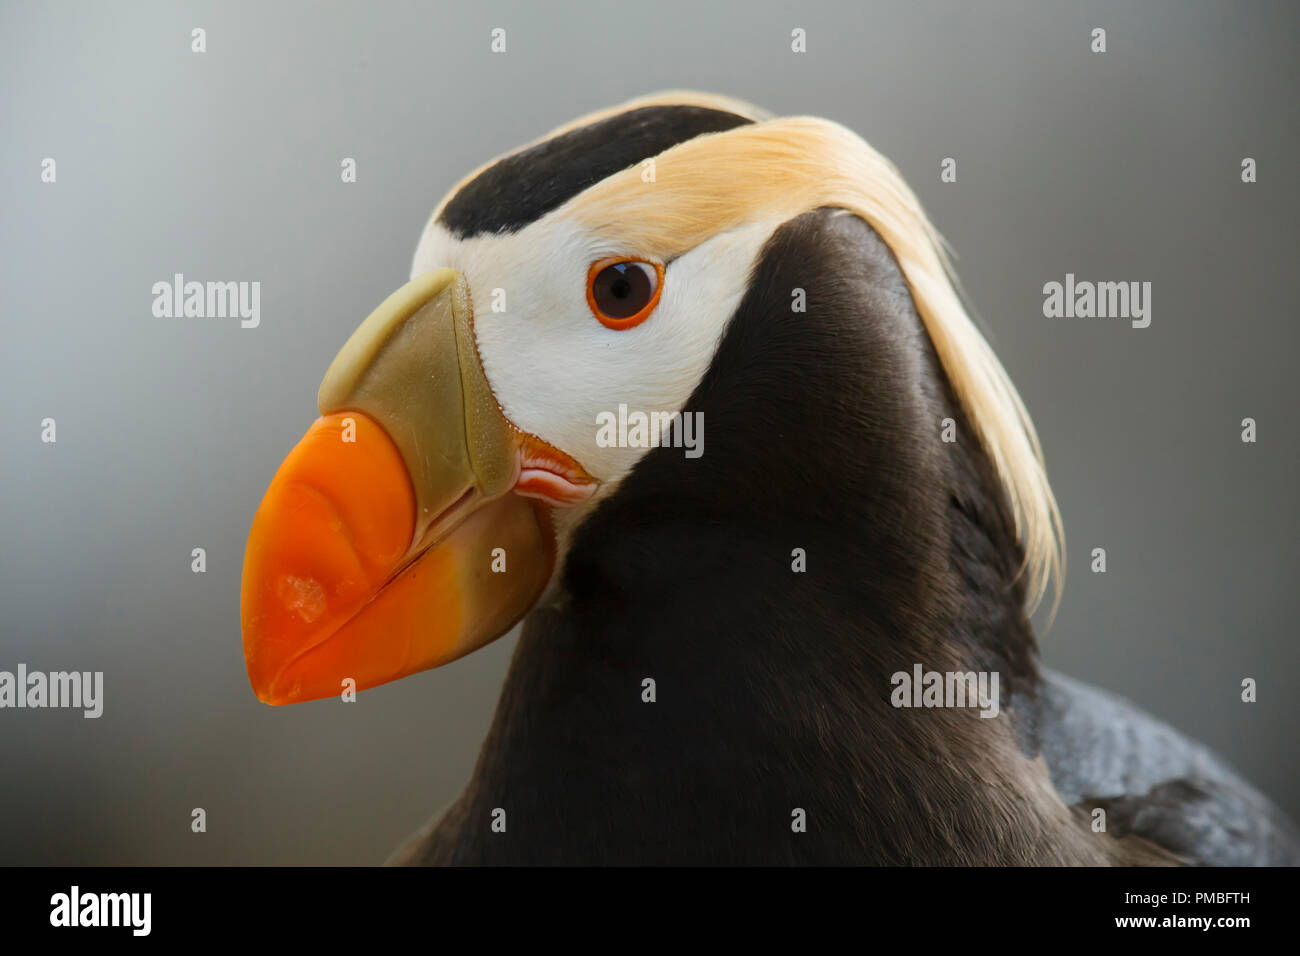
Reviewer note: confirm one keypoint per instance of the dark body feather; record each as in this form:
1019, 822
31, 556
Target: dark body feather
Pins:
1154, 782
773, 687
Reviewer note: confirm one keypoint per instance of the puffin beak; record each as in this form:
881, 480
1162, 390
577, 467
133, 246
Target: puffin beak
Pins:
398, 534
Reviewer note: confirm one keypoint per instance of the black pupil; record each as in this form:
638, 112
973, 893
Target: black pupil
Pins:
621, 290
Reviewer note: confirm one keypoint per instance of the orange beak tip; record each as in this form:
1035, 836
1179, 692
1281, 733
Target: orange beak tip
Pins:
334, 587
331, 529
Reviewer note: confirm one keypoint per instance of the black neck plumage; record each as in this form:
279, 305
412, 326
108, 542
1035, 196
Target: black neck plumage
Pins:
721, 659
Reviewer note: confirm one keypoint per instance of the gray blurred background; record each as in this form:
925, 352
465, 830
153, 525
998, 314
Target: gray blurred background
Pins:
225, 166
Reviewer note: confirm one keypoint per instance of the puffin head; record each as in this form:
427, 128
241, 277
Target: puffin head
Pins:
464, 430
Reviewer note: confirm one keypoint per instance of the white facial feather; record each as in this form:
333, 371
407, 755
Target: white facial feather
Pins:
553, 366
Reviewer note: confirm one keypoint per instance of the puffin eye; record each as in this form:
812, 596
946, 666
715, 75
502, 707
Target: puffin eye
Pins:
622, 292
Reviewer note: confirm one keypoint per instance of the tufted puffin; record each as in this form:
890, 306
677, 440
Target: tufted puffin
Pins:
689, 390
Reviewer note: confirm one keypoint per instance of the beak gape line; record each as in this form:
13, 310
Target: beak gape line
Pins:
370, 556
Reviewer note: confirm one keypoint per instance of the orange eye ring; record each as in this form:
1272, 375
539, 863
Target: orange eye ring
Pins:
641, 314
